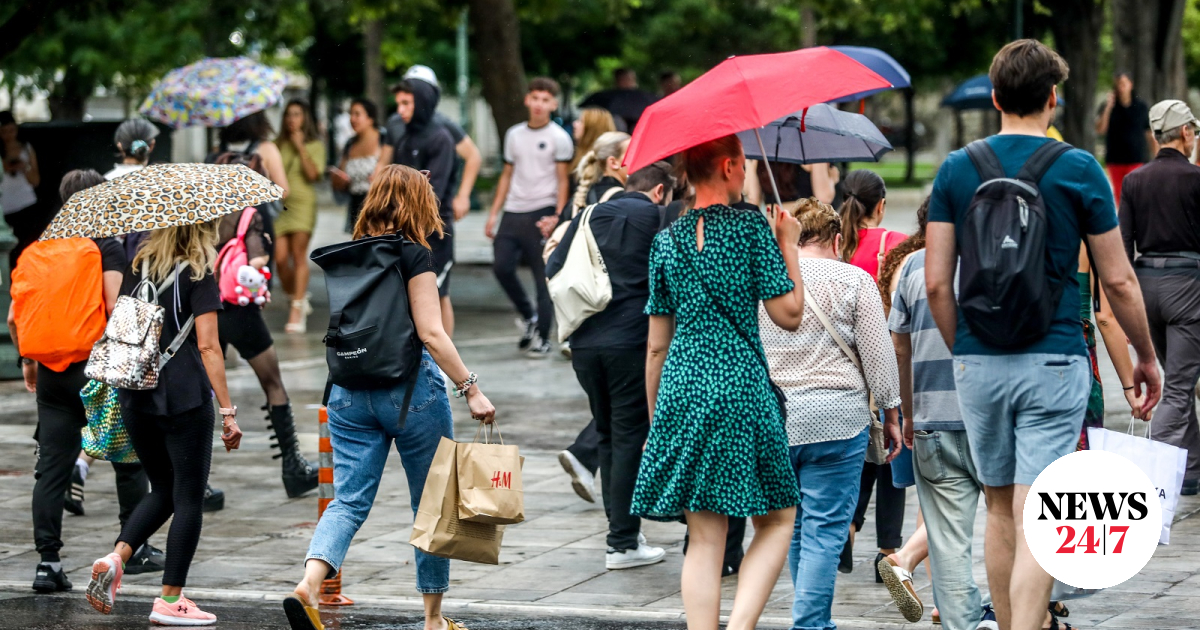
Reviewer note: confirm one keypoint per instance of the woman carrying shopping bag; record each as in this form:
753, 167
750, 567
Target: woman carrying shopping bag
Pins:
394, 397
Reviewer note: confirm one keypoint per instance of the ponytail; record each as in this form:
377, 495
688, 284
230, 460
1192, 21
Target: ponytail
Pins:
591, 167
864, 190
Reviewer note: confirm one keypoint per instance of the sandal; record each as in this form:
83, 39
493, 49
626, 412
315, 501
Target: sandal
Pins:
1059, 609
300, 615
453, 625
1055, 624
300, 327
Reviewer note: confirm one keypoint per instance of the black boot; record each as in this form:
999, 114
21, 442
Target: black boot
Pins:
299, 475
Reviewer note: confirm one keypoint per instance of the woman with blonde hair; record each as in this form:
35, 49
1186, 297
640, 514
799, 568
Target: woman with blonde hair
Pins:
827, 402
171, 425
601, 173
591, 124
363, 422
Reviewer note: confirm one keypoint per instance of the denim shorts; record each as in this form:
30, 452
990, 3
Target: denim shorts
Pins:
1021, 411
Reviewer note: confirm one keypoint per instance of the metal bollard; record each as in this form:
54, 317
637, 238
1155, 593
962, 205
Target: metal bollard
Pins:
331, 589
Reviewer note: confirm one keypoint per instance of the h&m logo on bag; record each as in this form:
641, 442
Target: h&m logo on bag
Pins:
1092, 520
501, 479
351, 354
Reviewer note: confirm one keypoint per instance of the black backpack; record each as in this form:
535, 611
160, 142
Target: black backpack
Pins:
1004, 292
371, 341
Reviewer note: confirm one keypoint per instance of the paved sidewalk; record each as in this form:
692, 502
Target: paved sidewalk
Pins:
551, 564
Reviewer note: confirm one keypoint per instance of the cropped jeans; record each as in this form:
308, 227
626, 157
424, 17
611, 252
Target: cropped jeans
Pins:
362, 426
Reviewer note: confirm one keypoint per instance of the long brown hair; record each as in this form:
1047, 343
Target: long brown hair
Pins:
309, 127
596, 122
864, 189
401, 200
891, 262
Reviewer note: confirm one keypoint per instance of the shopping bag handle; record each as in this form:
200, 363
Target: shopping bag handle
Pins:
487, 437
1132, 421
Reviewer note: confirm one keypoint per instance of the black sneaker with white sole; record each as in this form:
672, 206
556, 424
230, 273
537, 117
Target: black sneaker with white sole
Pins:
48, 580
528, 328
146, 559
540, 349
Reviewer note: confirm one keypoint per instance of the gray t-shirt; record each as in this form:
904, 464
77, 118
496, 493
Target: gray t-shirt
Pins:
534, 155
935, 399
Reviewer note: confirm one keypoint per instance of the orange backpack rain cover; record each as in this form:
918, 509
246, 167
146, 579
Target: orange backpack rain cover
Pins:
58, 301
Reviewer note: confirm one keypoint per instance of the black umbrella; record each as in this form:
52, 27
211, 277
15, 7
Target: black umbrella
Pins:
625, 104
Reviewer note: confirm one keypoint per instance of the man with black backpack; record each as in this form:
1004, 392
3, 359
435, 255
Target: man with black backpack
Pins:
1009, 212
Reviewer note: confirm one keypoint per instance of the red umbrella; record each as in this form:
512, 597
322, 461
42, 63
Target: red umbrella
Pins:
744, 93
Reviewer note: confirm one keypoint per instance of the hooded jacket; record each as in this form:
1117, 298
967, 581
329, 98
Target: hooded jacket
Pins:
427, 146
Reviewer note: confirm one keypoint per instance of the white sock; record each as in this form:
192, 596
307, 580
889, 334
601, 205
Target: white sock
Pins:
83, 468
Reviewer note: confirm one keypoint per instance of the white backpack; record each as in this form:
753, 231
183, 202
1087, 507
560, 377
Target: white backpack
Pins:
582, 287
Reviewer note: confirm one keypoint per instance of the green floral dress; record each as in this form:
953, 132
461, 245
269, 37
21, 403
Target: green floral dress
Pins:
718, 442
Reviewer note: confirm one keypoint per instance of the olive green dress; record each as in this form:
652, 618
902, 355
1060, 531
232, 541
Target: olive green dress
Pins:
300, 208
717, 442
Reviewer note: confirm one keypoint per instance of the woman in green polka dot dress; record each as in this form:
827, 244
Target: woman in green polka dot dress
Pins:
717, 445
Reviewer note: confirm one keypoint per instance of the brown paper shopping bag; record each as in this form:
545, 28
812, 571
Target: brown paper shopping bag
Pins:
489, 481
437, 529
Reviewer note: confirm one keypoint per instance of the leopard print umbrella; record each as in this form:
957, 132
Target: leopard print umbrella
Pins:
159, 196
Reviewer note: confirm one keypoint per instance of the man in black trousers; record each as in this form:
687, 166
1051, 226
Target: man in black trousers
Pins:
608, 350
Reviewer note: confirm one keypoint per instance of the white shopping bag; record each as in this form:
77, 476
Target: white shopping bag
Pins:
1163, 463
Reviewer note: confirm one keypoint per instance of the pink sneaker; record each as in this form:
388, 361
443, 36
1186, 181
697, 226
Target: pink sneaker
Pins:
106, 579
182, 613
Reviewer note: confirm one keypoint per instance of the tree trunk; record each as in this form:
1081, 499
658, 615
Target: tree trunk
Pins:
1148, 44
68, 98
373, 62
910, 140
1076, 26
497, 38
808, 26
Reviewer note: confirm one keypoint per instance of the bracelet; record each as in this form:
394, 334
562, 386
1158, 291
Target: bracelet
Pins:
460, 389
1128, 388
228, 411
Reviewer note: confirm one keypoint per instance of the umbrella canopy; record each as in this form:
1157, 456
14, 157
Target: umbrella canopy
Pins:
743, 93
974, 93
160, 196
214, 92
625, 104
883, 65
821, 133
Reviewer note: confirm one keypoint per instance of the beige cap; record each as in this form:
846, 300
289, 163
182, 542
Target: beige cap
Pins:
1170, 114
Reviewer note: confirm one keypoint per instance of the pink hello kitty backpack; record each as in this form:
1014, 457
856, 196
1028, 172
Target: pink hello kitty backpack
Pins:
233, 257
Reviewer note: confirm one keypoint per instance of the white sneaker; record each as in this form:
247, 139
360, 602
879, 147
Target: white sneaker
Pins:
582, 480
629, 558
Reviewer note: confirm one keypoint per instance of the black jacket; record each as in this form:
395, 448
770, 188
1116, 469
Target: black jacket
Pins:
624, 228
427, 146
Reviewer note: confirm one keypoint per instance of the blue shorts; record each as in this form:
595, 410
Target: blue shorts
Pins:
1021, 411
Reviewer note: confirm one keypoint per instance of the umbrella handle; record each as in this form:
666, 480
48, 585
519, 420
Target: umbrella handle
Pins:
775, 189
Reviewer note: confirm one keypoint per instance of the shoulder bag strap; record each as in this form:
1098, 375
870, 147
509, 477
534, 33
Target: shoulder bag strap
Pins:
184, 330
837, 338
985, 160
882, 251
1041, 160
720, 307
608, 194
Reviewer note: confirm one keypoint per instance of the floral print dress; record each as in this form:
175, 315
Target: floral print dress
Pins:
718, 441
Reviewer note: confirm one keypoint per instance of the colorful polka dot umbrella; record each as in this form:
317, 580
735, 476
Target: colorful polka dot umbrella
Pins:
160, 196
214, 92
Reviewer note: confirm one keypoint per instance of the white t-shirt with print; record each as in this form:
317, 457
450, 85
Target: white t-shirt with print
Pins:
534, 155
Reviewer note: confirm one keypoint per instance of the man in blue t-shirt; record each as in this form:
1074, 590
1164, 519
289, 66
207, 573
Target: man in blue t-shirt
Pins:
1023, 408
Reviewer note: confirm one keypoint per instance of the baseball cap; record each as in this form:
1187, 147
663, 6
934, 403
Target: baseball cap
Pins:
1170, 114
424, 73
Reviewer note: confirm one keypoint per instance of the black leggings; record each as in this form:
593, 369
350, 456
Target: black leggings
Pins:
889, 505
176, 453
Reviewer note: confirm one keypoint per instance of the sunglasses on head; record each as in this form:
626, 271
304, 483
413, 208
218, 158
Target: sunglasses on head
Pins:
425, 173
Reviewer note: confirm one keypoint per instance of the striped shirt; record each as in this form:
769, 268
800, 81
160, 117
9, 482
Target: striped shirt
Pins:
935, 400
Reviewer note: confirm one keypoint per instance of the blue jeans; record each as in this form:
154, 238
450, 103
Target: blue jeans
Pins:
362, 426
1022, 411
948, 489
828, 475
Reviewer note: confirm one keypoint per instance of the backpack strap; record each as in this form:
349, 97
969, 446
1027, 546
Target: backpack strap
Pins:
244, 222
1041, 160
985, 160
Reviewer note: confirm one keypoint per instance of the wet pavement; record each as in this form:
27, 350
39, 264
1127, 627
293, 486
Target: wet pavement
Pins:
551, 572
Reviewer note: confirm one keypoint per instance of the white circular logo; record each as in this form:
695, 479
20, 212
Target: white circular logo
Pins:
1092, 519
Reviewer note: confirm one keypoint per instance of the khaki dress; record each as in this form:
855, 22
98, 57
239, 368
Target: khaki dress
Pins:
300, 208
